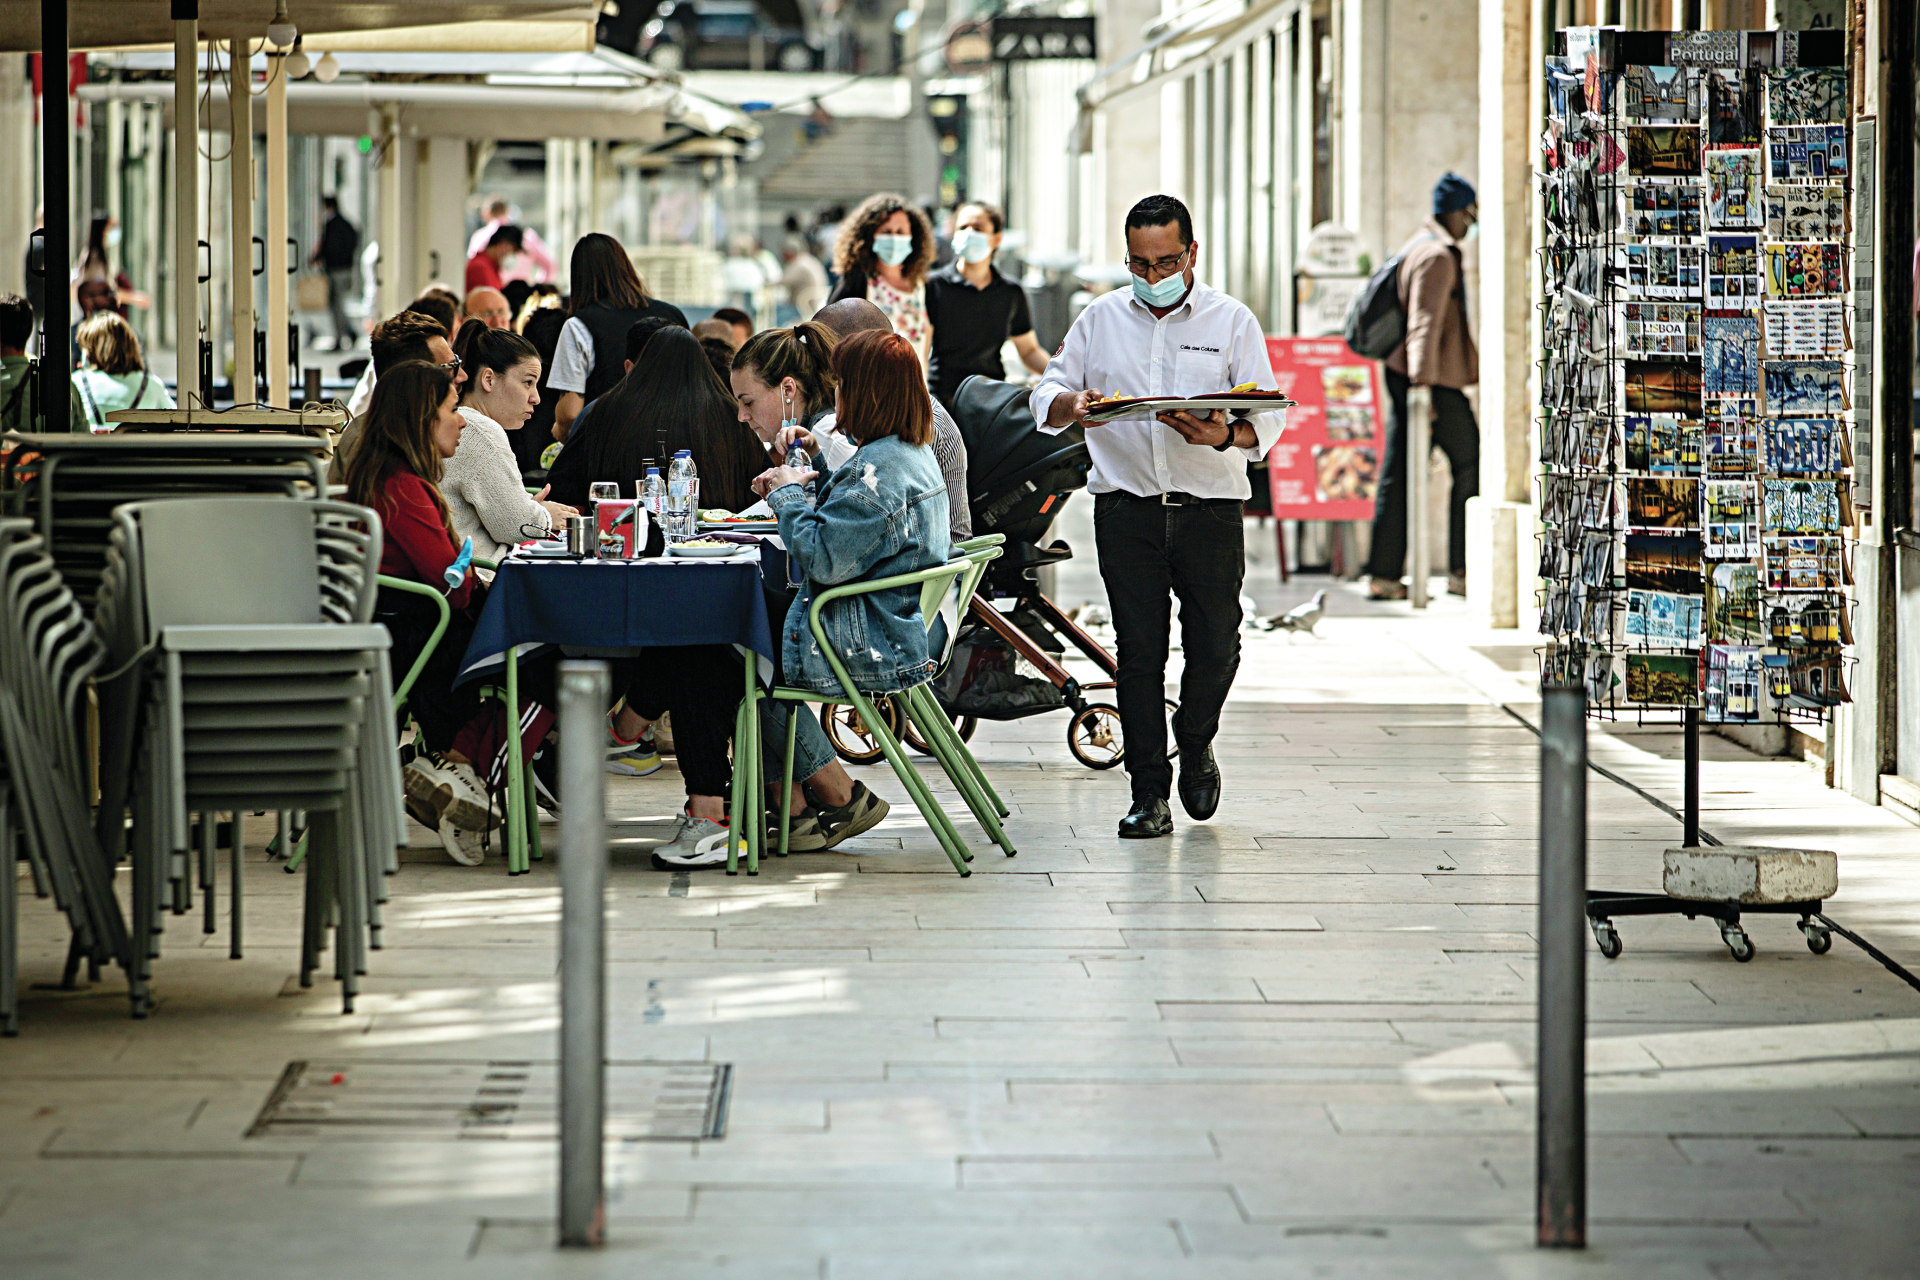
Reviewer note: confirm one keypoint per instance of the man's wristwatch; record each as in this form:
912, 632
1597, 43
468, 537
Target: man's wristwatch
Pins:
1233, 429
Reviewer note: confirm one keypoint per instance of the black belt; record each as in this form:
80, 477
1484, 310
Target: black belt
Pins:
1173, 499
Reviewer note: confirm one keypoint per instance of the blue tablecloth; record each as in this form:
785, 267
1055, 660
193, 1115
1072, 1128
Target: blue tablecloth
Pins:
619, 605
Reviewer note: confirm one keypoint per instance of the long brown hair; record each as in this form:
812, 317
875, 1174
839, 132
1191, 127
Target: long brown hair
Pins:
803, 353
398, 435
601, 270
853, 252
882, 390
110, 343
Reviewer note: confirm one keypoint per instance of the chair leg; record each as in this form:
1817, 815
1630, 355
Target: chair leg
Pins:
236, 854
537, 853
9, 922
209, 864
755, 780
943, 828
517, 797
932, 720
794, 711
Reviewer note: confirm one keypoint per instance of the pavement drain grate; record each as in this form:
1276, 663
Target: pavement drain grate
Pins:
426, 1099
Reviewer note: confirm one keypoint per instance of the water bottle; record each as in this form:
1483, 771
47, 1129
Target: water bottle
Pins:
653, 495
683, 493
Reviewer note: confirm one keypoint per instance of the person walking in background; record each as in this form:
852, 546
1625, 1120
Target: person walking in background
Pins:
608, 296
19, 381
804, 278
112, 374
1168, 493
97, 286
535, 262
484, 267
884, 250
1438, 353
338, 255
974, 309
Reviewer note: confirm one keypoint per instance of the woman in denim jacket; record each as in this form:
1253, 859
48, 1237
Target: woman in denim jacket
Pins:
882, 512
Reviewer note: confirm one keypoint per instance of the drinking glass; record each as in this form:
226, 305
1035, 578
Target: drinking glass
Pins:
598, 492
601, 490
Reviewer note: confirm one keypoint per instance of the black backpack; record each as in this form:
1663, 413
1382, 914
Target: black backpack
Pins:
1377, 323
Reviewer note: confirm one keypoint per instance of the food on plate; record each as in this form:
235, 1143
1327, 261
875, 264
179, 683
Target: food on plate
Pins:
701, 544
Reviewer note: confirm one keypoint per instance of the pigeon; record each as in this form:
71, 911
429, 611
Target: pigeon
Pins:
1301, 617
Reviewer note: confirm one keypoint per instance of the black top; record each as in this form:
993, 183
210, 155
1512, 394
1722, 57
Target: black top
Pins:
608, 328
339, 242
969, 327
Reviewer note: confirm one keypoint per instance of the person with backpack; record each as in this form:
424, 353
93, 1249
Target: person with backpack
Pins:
19, 372
1435, 350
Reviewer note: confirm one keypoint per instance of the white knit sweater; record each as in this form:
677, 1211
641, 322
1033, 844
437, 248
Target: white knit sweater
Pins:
484, 494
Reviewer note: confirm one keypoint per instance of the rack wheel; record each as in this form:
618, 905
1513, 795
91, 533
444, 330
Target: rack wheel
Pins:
1609, 939
850, 739
1093, 735
1738, 943
1819, 937
910, 732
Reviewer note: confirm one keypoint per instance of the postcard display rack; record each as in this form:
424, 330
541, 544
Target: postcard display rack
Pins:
1695, 419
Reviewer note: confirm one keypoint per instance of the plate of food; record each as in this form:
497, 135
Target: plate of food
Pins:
1238, 402
543, 550
705, 548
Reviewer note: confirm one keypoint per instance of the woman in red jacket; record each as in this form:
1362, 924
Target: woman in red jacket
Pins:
413, 426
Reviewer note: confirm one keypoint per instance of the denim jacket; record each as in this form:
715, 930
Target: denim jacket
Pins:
882, 512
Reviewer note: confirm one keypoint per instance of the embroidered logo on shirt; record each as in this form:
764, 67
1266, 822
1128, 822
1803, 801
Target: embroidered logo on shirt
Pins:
1188, 346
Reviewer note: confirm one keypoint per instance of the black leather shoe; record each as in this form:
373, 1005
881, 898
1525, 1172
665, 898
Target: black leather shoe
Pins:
1199, 783
1149, 820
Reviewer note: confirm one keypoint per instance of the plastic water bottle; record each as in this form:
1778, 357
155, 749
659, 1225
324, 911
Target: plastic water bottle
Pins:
683, 495
653, 496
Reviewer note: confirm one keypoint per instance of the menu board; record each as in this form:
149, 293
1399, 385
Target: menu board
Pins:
1327, 462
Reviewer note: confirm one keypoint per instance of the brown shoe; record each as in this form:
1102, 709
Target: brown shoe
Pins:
1456, 584
1386, 589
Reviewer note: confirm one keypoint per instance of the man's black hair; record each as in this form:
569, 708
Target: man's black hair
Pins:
16, 322
1158, 211
330, 202
439, 308
507, 234
641, 332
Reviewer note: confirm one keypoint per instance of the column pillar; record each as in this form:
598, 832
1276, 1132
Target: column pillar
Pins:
240, 224
279, 379
391, 285
184, 275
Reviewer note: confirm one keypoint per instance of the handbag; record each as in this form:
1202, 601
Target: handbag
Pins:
312, 292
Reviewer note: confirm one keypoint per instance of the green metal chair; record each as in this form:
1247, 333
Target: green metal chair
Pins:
959, 576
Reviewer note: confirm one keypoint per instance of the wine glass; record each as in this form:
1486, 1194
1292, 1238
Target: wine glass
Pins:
603, 490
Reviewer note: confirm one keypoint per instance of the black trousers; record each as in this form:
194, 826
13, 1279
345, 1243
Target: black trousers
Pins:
1458, 436
700, 685
1149, 554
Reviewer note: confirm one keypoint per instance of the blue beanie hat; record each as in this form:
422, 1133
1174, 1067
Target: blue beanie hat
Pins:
1452, 192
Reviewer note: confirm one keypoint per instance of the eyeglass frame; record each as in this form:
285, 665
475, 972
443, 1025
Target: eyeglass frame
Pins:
1159, 268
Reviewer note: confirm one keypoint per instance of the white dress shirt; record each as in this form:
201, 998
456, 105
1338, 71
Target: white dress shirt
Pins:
1209, 343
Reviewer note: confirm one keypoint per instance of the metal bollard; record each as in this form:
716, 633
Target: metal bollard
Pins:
1560, 1155
583, 952
1419, 447
312, 389
1690, 806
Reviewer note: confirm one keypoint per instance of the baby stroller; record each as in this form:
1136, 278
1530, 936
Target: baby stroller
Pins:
1017, 480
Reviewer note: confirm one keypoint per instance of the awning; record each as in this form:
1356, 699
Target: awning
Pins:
1178, 46
97, 24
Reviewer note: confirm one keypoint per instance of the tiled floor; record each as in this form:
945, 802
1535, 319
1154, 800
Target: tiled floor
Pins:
1294, 1041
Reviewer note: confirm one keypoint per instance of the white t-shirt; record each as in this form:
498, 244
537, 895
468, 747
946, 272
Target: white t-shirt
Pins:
572, 359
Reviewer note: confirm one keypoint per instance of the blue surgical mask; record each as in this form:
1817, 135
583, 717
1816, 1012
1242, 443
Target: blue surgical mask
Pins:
1163, 293
892, 250
971, 245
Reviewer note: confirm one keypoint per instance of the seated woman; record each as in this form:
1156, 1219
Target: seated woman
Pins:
669, 400
784, 378
482, 486
111, 375
413, 426
882, 512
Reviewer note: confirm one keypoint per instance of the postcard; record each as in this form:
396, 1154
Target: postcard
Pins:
1664, 271
1731, 355
1733, 273
1662, 95
1806, 212
1664, 209
1653, 329
1732, 519
1730, 439
1664, 562
1813, 328
1661, 386
1806, 95
1804, 446
1733, 603
1663, 445
1733, 190
1662, 679
1664, 151
1661, 503
1805, 153
1799, 388
1733, 682
1805, 563
1732, 107
1803, 620
1663, 619
1800, 506
1805, 270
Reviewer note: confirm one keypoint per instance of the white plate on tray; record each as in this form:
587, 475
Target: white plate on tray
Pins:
706, 553
1240, 405
545, 551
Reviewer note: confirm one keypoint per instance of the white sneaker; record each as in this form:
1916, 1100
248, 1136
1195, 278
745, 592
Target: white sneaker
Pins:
325, 343
453, 790
462, 846
701, 842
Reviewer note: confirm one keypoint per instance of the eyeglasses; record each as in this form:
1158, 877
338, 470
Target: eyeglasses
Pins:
1160, 268
451, 366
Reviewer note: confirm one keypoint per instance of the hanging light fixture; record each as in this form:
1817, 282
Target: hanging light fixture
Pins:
298, 64
327, 70
281, 32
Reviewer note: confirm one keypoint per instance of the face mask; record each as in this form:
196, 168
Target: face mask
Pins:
892, 250
113, 237
973, 246
1473, 233
1162, 294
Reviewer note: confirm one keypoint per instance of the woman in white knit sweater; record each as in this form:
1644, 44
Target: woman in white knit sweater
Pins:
482, 485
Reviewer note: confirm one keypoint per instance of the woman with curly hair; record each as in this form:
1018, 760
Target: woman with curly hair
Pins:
885, 248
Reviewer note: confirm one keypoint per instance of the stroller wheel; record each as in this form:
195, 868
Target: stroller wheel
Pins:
962, 725
850, 739
1094, 736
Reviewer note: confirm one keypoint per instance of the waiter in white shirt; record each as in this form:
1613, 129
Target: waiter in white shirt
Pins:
1167, 493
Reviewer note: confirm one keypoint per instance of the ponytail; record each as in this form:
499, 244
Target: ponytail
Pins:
803, 353
480, 347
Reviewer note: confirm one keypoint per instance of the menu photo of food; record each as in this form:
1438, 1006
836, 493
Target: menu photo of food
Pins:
1349, 422
1345, 472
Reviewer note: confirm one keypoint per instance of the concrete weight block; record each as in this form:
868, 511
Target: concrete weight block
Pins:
1751, 874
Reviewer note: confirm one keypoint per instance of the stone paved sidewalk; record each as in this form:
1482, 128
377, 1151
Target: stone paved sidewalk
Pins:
1294, 1041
